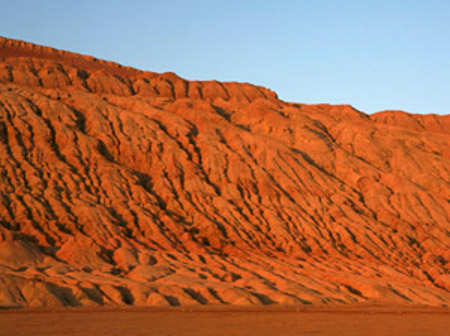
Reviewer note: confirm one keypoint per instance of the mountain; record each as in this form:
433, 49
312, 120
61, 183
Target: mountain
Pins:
127, 187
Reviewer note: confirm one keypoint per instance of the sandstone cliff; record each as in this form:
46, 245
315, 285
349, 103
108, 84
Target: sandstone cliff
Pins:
119, 186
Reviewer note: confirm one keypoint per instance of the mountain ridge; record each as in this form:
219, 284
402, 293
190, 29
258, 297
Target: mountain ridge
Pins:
130, 80
129, 187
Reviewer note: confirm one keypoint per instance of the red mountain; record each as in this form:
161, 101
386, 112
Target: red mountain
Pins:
120, 186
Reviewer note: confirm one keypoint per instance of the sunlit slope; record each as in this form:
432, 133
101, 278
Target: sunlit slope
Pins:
120, 186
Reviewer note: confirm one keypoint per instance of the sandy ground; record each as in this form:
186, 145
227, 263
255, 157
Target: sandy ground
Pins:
222, 322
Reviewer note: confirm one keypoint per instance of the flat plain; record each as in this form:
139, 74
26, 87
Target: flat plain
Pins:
232, 321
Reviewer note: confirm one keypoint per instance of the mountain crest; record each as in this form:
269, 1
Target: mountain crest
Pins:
119, 186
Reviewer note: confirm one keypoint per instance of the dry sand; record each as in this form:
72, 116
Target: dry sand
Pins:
226, 322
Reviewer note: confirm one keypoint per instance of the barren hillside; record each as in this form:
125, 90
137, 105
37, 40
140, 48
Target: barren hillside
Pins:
119, 186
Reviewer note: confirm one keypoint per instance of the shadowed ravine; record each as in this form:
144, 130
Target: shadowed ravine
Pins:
119, 186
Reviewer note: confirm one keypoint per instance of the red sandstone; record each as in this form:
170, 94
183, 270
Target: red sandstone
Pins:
120, 186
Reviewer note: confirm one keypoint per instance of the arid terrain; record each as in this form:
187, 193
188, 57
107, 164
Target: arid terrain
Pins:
216, 322
120, 187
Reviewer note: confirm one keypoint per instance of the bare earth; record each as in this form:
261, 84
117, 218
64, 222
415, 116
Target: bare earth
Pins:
226, 322
121, 187
153, 205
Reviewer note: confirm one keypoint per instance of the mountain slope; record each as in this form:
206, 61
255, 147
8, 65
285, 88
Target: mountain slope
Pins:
120, 186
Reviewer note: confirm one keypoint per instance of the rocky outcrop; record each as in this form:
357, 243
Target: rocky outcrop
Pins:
120, 186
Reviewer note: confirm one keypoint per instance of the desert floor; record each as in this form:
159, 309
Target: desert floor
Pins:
282, 321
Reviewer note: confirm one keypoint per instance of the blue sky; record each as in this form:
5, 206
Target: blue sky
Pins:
374, 55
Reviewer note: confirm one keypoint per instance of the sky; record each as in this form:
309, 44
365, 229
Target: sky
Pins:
372, 54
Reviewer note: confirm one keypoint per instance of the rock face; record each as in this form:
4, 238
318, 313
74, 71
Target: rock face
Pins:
120, 186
